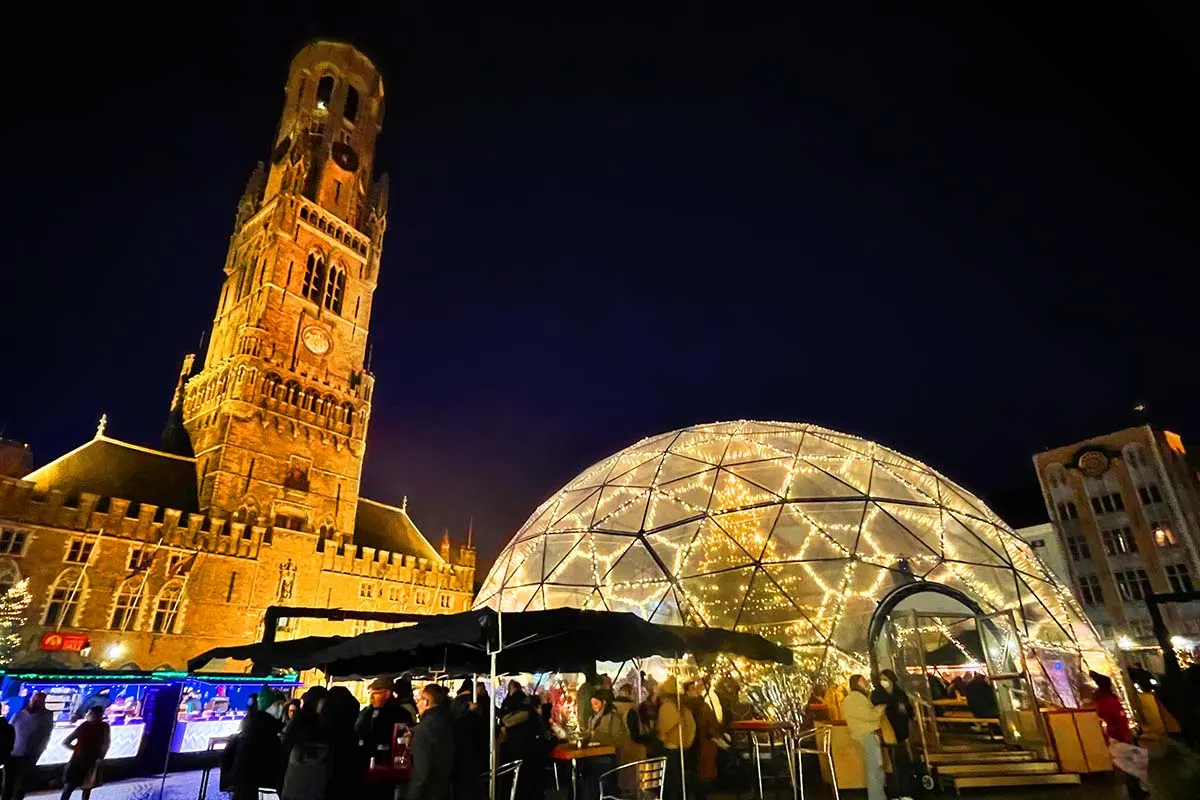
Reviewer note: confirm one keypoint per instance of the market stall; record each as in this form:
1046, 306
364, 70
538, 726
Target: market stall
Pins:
213, 707
128, 700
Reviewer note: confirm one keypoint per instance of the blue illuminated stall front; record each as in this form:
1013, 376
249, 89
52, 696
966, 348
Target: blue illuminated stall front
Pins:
125, 697
213, 707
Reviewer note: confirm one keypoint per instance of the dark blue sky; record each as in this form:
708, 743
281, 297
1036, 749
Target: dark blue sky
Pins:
940, 232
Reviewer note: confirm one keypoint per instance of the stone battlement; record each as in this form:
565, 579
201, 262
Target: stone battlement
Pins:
120, 518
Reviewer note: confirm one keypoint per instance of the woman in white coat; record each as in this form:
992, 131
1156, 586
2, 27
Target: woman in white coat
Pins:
863, 719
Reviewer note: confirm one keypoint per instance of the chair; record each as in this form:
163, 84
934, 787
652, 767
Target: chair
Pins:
763, 749
822, 738
503, 771
651, 776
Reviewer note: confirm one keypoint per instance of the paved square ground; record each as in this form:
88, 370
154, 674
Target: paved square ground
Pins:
186, 785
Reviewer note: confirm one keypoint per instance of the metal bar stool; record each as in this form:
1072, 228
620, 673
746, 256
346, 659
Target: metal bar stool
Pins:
768, 751
504, 770
651, 778
822, 739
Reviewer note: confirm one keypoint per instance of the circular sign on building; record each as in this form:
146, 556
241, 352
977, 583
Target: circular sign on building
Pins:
316, 339
1093, 463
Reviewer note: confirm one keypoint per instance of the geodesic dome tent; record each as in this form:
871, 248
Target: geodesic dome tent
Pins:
785, 529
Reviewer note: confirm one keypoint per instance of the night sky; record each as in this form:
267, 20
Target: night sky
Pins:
967, 237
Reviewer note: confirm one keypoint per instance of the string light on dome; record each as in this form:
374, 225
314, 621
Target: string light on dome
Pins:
790, 530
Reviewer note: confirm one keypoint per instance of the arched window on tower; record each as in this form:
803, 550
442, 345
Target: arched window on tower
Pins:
335, 288
348, 413
270, 385
350, 111
324, 92
166, 609
314, 278
65, 597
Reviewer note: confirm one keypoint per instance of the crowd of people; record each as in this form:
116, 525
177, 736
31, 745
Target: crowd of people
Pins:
323, 745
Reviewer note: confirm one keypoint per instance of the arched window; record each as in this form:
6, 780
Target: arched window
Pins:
314, 277
309, 401
270, 384
166, 608
347, 413
125, 609
10, 576
335, 288
1056, 476
247, 513
1134, 455
65, 597
291, 392
324, 92
350, 110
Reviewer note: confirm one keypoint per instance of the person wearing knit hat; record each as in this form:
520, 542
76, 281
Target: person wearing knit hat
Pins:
271, 702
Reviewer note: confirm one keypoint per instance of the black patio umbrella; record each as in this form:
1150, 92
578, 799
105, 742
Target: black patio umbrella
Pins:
290, 654
557, 640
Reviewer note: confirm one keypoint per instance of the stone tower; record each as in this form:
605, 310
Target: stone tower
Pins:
277, 416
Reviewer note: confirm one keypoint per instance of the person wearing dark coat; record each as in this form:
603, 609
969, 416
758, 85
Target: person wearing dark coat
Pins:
258, 758
470, 744
377, 723
335, 725
520, 720
432, 748
303, 726
898, 709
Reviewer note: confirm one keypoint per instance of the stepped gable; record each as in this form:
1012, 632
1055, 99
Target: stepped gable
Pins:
389, 528
112, 468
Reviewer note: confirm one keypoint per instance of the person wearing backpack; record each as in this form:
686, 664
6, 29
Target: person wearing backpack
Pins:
677, 731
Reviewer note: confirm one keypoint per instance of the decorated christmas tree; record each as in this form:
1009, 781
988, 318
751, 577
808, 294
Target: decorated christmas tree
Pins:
13, 605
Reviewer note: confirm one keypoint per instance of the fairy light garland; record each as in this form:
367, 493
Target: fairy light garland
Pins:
790, 530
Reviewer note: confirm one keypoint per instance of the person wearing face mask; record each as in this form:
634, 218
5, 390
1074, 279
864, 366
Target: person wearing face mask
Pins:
863, 720
898, 710
258, 760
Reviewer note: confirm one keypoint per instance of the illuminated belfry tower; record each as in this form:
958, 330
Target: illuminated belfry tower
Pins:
278, 414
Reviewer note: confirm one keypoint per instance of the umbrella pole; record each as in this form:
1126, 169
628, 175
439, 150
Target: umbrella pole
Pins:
679, 708
492, 737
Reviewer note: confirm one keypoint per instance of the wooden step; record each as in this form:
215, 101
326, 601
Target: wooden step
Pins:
988, 781
979, 756
974, 747
1000, 768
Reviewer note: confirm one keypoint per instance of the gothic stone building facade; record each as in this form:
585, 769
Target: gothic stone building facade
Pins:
253, 499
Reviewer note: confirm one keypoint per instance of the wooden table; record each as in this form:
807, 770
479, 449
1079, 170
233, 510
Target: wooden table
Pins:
572, 753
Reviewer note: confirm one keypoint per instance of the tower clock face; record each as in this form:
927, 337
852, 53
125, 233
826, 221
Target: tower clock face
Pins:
281, 149
316, 340
344, 156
